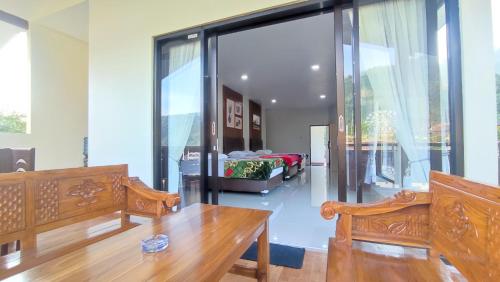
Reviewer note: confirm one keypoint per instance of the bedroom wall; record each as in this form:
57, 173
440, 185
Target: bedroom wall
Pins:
246, 120
288, 130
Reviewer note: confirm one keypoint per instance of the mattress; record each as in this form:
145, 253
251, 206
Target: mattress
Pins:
253, 168
289, 159
192, 167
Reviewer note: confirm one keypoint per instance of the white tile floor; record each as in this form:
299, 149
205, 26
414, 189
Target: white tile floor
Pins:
296, 219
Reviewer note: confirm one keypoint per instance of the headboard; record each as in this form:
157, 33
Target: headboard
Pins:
233, 144
255, 144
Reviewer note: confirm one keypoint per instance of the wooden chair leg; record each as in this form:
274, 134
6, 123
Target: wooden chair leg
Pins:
28, 242
4, 250
125, 219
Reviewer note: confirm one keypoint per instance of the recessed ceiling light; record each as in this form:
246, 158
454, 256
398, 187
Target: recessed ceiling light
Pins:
273, 101
244, 77
322, 96
315, 67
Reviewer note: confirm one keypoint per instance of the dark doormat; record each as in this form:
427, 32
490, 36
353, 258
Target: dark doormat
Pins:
279, 254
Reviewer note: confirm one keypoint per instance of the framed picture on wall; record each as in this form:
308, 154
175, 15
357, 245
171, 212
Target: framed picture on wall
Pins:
238, 108
230, 113
256, 122
238, 123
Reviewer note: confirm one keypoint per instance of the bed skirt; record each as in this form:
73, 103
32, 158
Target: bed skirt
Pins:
248, 185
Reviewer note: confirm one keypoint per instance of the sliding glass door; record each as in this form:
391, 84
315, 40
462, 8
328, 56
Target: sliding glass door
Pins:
184, 127
394, 120
400, 98
180, 94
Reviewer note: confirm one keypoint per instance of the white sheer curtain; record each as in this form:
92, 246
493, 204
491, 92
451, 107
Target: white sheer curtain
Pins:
181, 104
397, 30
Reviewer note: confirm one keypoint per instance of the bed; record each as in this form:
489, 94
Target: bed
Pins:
252, 174
246, 173
293, 163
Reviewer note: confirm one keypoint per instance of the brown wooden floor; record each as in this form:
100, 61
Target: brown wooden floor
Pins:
314, 269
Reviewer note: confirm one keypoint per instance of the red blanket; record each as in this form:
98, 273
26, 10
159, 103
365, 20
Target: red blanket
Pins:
289, 159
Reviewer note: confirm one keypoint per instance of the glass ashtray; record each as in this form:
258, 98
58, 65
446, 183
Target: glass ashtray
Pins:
155, 243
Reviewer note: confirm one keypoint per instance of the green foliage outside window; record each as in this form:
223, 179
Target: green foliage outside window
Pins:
13, 123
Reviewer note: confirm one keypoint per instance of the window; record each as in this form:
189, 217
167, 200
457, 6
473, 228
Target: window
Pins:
405, 127
495, 10
14, 75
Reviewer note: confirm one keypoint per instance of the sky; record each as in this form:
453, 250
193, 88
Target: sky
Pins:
14, 70
495, 14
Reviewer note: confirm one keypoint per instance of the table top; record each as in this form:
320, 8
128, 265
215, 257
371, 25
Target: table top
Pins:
204, 243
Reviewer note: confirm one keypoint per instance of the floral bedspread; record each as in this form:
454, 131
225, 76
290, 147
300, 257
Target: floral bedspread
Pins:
255, 169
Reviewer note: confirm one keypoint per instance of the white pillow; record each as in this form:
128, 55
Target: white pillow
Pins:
264, 152
241, 154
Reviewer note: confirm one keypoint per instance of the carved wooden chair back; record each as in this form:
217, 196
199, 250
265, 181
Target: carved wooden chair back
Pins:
34, 202
39, 201
465, 225
15, 160
457, 218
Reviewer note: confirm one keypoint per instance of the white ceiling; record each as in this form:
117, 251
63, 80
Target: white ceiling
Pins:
67, 16
73, 21
34, 9
278, 59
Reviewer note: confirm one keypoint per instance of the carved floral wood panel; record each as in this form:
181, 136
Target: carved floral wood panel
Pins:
136, 203
46, 201
12, 200
462, 229
86, 191
452, 226
410, 223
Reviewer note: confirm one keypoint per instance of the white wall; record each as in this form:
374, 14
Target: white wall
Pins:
288, 130
59, 83
121, 70
479, 99
319, 144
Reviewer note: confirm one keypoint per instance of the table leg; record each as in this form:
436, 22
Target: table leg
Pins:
263, 254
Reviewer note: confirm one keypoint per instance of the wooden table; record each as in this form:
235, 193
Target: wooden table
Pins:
205, 242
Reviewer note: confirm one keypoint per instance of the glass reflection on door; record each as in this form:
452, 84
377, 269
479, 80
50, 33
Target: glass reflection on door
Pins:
404, 95
181, 94
347, 29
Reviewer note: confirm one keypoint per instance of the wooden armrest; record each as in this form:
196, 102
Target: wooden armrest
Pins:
401, 200
402, 219
137, 186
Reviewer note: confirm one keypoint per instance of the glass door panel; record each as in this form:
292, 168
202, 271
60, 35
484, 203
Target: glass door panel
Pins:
181, 96
403, 95
347, 30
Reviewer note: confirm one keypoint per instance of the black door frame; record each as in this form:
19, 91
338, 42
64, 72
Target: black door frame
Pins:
279, 15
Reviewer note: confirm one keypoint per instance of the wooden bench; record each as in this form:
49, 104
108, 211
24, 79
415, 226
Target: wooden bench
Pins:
36, 202
457, 219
